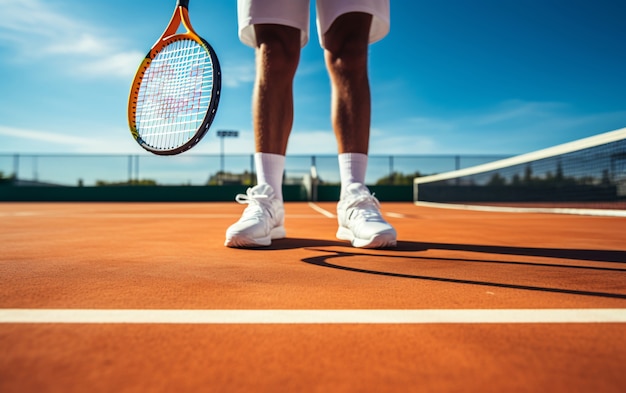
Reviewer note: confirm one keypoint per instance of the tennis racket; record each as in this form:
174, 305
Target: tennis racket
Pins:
175, 93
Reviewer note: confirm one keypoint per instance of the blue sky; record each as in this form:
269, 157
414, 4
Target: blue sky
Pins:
452, 77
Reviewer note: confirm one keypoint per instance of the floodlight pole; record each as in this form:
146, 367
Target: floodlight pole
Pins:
225, 134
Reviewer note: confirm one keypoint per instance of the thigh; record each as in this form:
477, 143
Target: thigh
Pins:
293, 13
329, 10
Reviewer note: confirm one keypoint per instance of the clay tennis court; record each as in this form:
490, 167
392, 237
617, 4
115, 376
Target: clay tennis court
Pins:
140, 297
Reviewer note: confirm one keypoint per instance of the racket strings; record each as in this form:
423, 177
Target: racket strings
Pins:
174, 95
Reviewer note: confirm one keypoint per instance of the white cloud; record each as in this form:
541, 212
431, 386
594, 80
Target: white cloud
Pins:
43, 136
511, 127
312, 142
238, 75
523, 126
514, 127
33, 29
36, 140
120, 64
84, 44
518, 112
389, 141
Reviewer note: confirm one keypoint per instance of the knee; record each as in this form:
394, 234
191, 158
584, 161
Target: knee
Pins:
278, 50
346, 43
348, 56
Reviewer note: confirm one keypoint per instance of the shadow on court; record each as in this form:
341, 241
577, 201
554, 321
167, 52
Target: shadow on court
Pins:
408, 246
332, 259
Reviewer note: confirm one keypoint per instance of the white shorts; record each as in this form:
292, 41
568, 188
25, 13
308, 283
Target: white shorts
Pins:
295, 13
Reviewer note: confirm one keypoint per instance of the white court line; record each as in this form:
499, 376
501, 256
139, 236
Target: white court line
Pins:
395, 215
19, 214
69, 214
320, 210
139, 215
331, 215
437, 316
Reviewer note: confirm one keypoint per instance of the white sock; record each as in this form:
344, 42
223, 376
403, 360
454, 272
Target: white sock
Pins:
352, 168
269, 170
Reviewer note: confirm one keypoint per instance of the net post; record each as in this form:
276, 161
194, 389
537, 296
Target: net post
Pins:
311, 180
16, 166
130, 169
137, 168
252, 173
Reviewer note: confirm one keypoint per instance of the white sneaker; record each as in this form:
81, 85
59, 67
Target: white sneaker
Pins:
262, 220
360, 221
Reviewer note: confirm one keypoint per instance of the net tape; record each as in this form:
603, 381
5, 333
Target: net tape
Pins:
590, 169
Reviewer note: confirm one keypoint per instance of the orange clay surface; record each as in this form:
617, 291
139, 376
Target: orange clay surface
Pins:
171, 256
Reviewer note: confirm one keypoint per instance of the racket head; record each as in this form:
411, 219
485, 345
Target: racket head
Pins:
175, 93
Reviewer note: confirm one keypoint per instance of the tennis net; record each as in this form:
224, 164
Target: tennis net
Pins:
589, 173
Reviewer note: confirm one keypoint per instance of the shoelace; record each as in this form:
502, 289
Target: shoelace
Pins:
257, 204
365, 206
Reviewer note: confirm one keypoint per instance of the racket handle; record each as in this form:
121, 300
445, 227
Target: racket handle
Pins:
183, 3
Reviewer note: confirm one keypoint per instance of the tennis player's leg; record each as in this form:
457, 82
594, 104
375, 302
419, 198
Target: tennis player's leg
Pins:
346, 54
277, 52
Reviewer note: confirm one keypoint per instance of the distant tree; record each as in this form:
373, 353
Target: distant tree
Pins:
220, 178
528, 175
606, 178
497, 180
143, 182
6, 179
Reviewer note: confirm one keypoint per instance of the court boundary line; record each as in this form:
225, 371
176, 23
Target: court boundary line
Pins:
510, 209
133, 215
277, 316
320, 210
328, 214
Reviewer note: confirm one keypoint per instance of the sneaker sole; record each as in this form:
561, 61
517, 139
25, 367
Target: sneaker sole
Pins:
380, 240
243, 241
